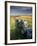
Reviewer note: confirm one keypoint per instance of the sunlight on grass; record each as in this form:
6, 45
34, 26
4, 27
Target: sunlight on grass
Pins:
26, 18
12, 23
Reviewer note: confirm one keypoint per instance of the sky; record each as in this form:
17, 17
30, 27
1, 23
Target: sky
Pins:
17, 10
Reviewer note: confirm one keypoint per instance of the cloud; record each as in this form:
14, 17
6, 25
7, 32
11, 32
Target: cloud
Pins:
16, 10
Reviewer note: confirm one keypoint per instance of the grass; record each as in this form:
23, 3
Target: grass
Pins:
12, 23
26, 18
15, 34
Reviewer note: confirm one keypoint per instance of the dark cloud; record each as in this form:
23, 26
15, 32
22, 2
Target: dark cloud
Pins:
16, 10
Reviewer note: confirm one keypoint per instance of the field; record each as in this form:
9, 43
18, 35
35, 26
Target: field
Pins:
17, 33
26, 18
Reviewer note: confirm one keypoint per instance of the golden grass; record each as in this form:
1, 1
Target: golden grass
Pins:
22, 17
26, 17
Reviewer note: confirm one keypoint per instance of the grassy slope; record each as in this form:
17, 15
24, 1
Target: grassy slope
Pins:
27, 18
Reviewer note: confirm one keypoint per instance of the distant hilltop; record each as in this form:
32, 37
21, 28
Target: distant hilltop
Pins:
22, 15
